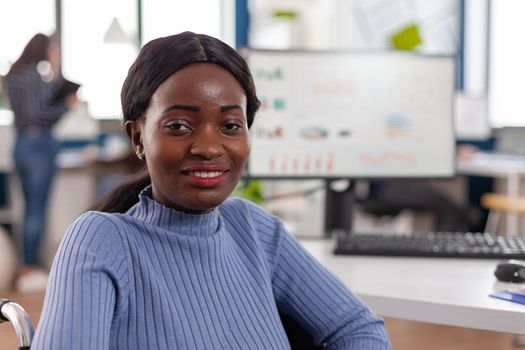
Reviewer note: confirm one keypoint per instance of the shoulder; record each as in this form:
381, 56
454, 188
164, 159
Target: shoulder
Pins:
250, 217
91, 231
24, 72
22, 79
92, 250
241, 205
235, 207
95, 221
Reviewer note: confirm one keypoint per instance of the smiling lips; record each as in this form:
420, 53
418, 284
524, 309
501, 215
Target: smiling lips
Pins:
206, 174
206, 178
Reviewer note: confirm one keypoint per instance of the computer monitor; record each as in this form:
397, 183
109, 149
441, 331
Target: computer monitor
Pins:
351, 115
327, 114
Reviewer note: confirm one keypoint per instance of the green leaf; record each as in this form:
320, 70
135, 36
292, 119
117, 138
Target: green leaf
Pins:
250, 190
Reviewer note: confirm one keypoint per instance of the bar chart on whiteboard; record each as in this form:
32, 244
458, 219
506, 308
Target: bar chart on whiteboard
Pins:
352, 114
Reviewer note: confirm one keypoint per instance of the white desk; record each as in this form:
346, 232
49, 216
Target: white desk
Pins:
491, 165
444, 291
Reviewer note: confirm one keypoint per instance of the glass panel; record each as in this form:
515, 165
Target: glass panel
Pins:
18, 25
506, 57
88, 59
162, 18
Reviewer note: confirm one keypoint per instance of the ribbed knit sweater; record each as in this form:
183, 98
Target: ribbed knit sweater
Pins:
156, 278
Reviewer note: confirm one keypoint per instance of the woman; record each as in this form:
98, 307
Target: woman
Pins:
31, 94
178, 265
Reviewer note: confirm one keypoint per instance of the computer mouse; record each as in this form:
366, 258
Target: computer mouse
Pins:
510, 271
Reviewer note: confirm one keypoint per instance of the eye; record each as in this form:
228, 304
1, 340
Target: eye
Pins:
178, 126
233, 127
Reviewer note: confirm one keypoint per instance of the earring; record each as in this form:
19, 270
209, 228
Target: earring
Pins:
140, 155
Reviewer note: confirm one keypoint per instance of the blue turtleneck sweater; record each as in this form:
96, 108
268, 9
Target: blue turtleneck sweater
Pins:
156, 278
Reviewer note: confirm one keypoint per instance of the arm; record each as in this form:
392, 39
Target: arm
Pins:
320, 302
87, 288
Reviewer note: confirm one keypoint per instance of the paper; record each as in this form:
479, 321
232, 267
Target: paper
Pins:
514, 296
407, 38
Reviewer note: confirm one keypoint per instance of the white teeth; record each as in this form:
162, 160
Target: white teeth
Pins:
205, 174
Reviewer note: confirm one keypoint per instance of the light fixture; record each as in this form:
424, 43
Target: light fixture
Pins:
115, 34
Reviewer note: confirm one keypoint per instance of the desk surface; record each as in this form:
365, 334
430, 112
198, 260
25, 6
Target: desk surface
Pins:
436, 290
493, 165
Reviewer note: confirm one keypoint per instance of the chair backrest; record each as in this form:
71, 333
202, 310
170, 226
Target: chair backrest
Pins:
298, 337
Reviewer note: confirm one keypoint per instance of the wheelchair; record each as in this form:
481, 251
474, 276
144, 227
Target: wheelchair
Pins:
12, 312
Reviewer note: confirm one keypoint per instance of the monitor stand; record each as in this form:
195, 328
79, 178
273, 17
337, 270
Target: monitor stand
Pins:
339, 201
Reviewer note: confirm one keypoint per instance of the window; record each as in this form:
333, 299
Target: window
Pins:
99, 66
506, 63
212, 17
18, 25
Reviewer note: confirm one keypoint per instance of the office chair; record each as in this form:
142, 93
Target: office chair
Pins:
498, 204
298, 337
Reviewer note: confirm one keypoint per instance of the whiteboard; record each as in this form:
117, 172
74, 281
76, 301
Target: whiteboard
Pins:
352, 114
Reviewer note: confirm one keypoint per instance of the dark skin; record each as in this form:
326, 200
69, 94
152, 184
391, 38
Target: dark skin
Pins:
194, 136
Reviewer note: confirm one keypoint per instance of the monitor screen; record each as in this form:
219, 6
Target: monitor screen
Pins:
352, 114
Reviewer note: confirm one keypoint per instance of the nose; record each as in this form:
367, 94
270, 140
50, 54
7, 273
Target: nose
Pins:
207, 145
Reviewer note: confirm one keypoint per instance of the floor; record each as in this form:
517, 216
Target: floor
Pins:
404, 335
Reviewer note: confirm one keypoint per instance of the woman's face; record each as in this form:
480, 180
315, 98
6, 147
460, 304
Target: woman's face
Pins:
194, 137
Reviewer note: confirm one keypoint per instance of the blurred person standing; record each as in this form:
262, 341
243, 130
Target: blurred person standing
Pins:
32, 85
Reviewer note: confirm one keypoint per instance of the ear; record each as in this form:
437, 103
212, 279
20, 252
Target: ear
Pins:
134, 130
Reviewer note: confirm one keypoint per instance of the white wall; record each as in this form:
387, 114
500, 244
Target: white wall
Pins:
354, 23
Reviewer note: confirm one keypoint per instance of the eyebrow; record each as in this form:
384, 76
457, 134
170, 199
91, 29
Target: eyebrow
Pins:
197, 109
183, 107
230, 107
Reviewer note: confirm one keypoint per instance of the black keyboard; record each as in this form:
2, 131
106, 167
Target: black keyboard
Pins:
440, 244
